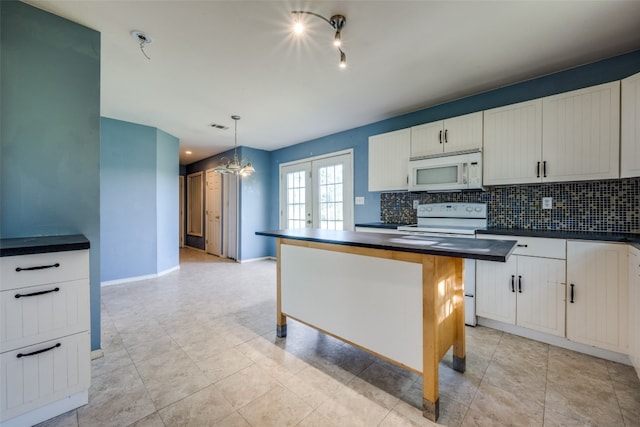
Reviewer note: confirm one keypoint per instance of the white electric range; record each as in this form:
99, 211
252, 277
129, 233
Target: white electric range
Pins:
459, 220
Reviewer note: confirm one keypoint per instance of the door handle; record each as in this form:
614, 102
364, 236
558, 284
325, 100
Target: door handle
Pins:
440, 137
544, 169
538, 170
513, 283
520, 284
445, 136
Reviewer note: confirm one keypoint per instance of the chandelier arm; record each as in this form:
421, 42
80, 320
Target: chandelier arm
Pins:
316, 15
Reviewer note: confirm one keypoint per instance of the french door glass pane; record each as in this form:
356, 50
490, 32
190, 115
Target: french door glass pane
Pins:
330, 197
296, 199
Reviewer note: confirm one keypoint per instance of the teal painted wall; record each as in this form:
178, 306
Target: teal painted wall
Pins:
139, 199
50, 133
167, 201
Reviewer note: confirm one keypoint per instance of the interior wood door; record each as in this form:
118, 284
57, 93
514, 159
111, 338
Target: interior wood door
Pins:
213, 213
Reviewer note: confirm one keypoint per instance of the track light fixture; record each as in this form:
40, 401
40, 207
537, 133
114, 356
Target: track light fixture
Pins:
337, 22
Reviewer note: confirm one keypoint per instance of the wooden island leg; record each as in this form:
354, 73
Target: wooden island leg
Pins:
442, 324
281, 319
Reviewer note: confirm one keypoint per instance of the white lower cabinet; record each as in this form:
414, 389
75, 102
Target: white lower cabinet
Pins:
634, 307
45, 359
528, 291
598, 294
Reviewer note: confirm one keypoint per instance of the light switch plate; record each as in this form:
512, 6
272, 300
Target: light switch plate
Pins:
547, 203
415, 204
359, 200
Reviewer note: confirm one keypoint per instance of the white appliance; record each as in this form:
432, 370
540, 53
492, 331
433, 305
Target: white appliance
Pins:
454, 220
448, 172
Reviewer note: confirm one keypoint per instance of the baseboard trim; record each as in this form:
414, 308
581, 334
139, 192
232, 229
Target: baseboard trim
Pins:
557, 341
138, 278
97, 354
257, 259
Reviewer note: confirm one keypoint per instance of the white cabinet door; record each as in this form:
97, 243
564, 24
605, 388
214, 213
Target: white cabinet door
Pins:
541, 294
427, 139
389, 161
630, 127
463, 132
581, 134
513, 144
597, 294
448, 136
496, 290
634, 307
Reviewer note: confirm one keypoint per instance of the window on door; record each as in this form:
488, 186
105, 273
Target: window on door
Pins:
317, 193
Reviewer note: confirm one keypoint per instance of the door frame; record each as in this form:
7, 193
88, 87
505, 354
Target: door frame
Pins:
348, 151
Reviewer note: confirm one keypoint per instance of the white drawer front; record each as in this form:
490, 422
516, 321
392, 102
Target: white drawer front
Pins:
32, 381
534, 246
44, 316
53, 267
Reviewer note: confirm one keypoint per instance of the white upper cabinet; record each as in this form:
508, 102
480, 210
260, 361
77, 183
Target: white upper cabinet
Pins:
573, 136
581, 134
513, 143
389, 161
630, 127
447, 136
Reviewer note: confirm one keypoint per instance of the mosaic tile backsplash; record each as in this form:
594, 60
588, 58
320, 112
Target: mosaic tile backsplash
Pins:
611, 205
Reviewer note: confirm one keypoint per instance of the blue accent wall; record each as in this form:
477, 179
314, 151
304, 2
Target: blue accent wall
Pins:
254, 205
139, 199
167, 201
576, 78
50, 133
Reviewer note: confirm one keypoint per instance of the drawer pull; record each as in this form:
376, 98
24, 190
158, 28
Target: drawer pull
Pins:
39, 267
522, 246
37, 293
38, 352
571, 299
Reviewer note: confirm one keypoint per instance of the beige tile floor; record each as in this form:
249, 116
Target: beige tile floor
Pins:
197, 347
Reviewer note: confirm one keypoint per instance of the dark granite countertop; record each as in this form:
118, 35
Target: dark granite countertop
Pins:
380, 225
630, 238
483, 249
44, 244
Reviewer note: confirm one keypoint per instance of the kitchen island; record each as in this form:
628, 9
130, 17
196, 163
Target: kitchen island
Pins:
398, 297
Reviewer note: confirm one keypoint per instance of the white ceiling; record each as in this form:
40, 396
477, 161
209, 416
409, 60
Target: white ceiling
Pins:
212, 59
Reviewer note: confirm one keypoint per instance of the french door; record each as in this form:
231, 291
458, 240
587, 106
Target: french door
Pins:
318, 193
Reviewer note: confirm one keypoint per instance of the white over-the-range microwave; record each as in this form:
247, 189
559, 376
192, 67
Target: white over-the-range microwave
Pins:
446, 172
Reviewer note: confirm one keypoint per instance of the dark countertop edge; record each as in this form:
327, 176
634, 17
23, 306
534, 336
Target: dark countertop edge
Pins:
385, 225
630, 238
44, 244
417, 250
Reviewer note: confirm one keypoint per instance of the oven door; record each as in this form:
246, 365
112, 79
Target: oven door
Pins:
468, 278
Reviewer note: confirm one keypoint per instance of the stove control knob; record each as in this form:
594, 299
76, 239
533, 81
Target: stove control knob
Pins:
478, 209
469, 209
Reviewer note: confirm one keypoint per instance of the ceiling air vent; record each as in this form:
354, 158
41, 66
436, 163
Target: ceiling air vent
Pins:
217, 126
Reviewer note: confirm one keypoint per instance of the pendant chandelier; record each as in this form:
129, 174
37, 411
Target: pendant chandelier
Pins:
235, 166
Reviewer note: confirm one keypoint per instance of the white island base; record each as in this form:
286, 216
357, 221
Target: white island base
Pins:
406, 308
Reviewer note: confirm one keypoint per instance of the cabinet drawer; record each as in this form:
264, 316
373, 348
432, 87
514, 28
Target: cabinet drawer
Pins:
41, 313
534, 246
31, 381
38, 269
